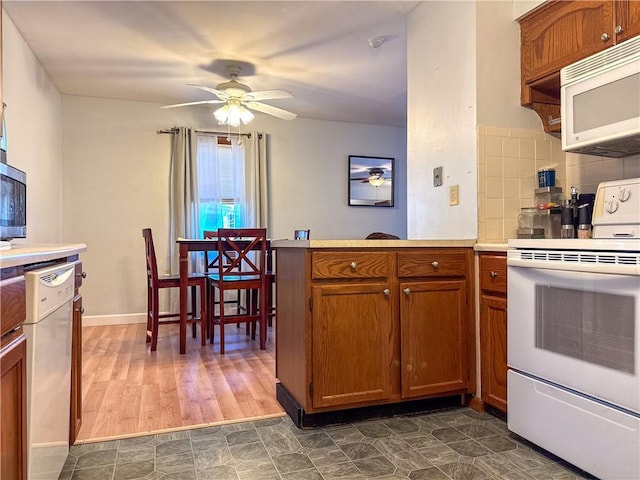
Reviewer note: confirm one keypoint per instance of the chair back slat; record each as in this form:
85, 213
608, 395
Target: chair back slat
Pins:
244, 249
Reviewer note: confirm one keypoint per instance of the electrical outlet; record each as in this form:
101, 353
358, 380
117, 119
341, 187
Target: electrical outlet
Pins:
453, 195
437, 176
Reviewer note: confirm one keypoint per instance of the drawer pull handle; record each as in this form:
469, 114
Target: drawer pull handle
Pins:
407, 291
83, 274
13, 330
435, 264
386, 292
493, 274
80, 309
353, 265
604, 37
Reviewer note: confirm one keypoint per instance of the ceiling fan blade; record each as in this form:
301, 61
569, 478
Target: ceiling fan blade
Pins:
192, 103
220, 94
267, 95
268, 109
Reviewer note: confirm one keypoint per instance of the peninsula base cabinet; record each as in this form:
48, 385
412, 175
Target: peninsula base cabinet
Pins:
352, 354
433, 329
371, 327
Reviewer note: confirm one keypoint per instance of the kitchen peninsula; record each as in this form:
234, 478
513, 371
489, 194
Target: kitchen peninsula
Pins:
372, 323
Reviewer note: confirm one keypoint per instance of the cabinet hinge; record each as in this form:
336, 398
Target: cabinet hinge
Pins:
310, 303
311, 390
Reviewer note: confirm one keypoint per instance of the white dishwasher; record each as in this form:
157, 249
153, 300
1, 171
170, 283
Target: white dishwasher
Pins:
48, 331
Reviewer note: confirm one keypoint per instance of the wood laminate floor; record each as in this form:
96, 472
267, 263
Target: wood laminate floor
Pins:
129, 390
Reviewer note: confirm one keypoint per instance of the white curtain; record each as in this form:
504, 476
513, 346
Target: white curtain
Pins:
246, 183
217, 179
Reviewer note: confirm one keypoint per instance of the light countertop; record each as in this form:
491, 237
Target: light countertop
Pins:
24, 254
370, 243
490, 247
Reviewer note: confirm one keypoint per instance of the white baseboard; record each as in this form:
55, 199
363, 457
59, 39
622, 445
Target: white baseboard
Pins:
124, 319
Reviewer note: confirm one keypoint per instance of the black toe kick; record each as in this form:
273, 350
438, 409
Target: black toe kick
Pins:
303, 419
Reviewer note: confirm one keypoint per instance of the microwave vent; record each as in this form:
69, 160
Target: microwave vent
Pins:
620, 54
618, 148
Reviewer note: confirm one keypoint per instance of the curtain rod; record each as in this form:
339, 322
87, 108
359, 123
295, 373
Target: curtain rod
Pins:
175, 130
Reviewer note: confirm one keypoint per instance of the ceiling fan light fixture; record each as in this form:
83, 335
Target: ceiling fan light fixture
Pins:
221, 114
232, 113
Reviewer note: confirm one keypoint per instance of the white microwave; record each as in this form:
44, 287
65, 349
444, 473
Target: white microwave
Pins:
600, 102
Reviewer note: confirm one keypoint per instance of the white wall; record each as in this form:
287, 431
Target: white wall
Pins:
116, 170
441, 125
33, 136
98, 173
520, 7
498, 69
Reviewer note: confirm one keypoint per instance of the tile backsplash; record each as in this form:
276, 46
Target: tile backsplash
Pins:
587, 171
508, 162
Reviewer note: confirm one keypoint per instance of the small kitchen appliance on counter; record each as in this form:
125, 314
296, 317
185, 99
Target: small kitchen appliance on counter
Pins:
573, 338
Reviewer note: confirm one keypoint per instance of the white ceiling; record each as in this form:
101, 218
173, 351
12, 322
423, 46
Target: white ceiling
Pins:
149, 51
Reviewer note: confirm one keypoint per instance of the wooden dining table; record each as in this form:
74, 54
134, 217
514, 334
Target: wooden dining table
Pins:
192, 245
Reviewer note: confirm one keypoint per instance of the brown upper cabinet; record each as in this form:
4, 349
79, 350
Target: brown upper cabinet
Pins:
560, 33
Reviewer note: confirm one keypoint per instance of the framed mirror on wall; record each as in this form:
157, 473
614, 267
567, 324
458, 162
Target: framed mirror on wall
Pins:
370, 181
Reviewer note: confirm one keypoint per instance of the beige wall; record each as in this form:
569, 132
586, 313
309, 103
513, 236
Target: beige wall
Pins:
98, 173
463, 71
441, 120
33, 136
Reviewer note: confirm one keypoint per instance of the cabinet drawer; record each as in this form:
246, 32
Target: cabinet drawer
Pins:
13, 305
493, 273
434, 263
350, 265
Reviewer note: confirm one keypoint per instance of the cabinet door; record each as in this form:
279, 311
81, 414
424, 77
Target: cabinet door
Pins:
433, 337
563, 33
76, 370
493, 341
352, 345
13, 410
627, 19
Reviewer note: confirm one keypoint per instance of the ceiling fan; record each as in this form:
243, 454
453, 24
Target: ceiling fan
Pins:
237, 98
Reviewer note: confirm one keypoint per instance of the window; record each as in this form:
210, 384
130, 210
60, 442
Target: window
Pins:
221, 183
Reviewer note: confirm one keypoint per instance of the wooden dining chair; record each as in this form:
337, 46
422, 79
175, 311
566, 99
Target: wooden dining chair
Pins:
241, 265
156, 282
211, 266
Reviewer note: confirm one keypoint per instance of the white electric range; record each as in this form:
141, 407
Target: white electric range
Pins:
573, 342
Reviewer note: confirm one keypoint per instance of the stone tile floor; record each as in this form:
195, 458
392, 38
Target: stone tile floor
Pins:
447, 444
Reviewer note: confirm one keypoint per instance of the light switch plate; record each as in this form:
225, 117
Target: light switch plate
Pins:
453, 195
437, 176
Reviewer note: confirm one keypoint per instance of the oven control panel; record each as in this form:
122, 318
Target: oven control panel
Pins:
616, 212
